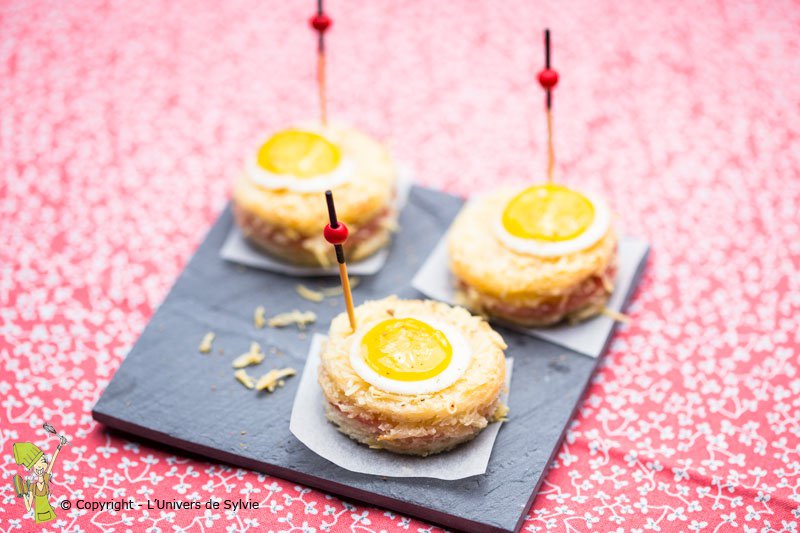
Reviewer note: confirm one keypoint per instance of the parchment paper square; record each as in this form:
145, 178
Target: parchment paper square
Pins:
435, 280
309, 425
238, 250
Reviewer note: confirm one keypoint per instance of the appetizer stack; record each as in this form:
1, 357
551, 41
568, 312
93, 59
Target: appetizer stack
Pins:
552, 250
417, 377
549, 253
277, 201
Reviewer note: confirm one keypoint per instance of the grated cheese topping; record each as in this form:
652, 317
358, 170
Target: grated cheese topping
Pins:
318, 295
244, 378
205, 344
616, 315
274, 378
252, 357
309, 294
301, 318
258, 317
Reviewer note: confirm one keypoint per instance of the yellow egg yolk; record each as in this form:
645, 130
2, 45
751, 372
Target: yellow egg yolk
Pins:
406, 349
548, 213
302, 154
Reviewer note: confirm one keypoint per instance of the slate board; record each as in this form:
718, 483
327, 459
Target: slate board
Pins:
163, 389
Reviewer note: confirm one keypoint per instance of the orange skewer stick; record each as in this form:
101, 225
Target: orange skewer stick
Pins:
323, 103
336, 233
550, 153
321, 22
548, 78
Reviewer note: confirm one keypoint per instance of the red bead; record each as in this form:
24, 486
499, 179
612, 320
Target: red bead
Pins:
335, 235
548, 78
320, 22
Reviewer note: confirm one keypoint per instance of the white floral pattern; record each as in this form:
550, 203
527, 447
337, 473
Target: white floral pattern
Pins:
121, 128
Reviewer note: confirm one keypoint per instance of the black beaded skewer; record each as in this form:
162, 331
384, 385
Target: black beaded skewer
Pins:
548, 78
321, 22
336, 233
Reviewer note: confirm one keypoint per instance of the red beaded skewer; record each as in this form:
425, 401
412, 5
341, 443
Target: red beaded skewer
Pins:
548, 78
321, 22
336, 234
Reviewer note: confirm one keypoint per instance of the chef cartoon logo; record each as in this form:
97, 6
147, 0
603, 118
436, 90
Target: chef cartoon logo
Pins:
34, 488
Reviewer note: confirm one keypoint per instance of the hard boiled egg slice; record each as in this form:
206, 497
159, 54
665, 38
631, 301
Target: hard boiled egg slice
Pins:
410, 355
551, 220
299, 160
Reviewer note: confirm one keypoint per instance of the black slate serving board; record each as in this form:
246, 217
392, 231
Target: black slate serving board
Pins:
168, 392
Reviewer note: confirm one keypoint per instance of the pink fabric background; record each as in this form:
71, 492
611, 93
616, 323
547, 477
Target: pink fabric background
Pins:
122, 125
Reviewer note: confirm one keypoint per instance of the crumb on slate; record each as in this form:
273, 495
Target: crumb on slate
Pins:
301, 318
309, 294
317, 295
258, 317
274, 379
205, 344
337, 289
244, 378
252, 357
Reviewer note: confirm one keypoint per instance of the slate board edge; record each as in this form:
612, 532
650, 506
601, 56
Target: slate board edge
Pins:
345, 491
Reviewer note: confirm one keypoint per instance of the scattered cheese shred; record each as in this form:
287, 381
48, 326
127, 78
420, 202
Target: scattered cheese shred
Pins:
501, 413
309, 294
274, 378
337, 289
244, 378
302, 319
205, 344
258, 317
608, 285
253, 357
615, 315
317, 295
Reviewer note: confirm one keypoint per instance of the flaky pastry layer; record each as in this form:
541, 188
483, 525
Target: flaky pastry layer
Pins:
423, 423
368, 191
481, 261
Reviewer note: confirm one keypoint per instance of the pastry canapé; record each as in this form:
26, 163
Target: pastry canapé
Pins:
277, 201
534, 257
416, 377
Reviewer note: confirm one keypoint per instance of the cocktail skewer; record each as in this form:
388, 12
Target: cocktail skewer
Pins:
548, 78
336, 233
321, 22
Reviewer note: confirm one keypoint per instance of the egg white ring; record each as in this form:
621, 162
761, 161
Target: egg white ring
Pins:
596, 230
462, 355
260, 176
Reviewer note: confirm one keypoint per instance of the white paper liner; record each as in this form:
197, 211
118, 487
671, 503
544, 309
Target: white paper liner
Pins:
589, 337
238, 250
309, 425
